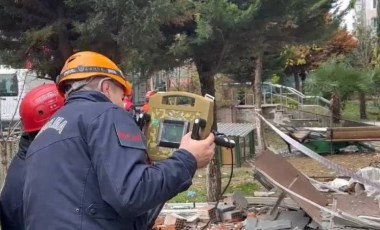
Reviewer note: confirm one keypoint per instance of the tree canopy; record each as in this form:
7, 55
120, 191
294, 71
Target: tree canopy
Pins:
218, 36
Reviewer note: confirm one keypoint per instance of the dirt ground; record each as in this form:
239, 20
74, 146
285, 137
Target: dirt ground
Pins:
243, 181
352, 161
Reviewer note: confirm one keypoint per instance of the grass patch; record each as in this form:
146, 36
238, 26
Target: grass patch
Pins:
242, 181
246, 189
351, 111
182, 197
274, 140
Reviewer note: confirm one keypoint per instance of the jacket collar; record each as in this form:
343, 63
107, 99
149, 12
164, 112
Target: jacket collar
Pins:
87, 95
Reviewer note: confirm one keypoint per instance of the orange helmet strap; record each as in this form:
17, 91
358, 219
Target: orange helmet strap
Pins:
91, 69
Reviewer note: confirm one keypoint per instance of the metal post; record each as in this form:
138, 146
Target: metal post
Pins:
251, 144
1, 117
219, 155
271, 93
237, 154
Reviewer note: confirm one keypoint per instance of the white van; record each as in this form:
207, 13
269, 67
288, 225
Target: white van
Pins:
14, 84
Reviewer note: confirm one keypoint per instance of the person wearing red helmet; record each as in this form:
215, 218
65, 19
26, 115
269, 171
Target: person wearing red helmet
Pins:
35, 110
128, 102
145, 107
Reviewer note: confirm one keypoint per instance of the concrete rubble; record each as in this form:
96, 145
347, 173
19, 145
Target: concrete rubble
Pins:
293, 201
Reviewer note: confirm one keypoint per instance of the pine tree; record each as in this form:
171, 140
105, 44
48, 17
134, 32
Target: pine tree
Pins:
40, 32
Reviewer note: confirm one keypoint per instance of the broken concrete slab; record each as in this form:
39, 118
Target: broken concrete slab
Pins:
267, 224
173, 219
270, 201
358, 205
207, 213
285, 174
235, 215
225, 207
239, 200
298, 219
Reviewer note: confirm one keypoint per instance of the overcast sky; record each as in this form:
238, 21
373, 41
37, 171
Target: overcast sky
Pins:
348, 19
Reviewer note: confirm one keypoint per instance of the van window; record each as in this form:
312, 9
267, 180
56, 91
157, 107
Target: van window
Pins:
8, 85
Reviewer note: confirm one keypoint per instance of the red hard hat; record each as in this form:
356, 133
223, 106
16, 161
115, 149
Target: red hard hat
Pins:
149, 94
38, 106
128, 104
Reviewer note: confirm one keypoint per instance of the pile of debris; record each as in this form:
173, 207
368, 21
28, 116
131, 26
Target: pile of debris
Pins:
236, 212
297, 202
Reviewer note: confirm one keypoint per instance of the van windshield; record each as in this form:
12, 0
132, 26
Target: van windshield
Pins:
8, 85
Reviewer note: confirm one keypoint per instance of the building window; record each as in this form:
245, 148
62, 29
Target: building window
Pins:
374, 4
374, 22
8, 85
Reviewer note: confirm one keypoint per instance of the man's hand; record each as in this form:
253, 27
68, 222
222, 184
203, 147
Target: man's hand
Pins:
202, 150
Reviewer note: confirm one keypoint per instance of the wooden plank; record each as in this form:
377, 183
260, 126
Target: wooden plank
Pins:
300, 135
354, 133
281, 198
258, 200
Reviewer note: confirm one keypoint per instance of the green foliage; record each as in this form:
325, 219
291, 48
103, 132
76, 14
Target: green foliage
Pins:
132, 33
146, 36
351, 111
241, 181
378, 21
338, 76
40, 31
275, 79
272, 25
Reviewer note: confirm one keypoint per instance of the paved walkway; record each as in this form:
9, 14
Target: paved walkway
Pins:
376, 123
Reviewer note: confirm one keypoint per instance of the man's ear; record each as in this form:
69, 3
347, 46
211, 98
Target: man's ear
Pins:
105, 87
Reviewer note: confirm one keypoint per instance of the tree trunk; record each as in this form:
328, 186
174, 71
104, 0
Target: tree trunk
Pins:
213, 177
258, 95
335, 108
64, 47
296, 81
378, 22
362, 105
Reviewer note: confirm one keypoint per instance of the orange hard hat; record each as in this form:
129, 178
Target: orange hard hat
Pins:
149, 94
38, 106
87, 64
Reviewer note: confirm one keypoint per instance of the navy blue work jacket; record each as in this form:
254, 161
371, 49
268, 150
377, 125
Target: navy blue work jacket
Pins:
87, 170
11, 205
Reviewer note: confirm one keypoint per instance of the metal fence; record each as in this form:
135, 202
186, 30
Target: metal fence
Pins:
8, 149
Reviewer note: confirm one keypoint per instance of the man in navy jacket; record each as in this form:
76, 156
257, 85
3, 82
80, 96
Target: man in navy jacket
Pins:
36, 108
87, 168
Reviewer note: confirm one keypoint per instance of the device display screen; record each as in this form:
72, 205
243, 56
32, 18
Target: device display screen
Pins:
171, 133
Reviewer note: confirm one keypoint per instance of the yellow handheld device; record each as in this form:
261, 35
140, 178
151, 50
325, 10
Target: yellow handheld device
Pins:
172, 115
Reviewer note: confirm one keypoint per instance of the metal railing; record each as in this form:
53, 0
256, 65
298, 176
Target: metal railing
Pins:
292, 98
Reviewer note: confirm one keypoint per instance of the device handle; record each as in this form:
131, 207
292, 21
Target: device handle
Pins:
143, 119
224, 142
198, 124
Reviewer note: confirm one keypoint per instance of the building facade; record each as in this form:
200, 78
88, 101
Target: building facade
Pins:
366, 10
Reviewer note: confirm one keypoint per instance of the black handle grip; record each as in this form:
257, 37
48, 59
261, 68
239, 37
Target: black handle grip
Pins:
224, 142
197, 126
142, 119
